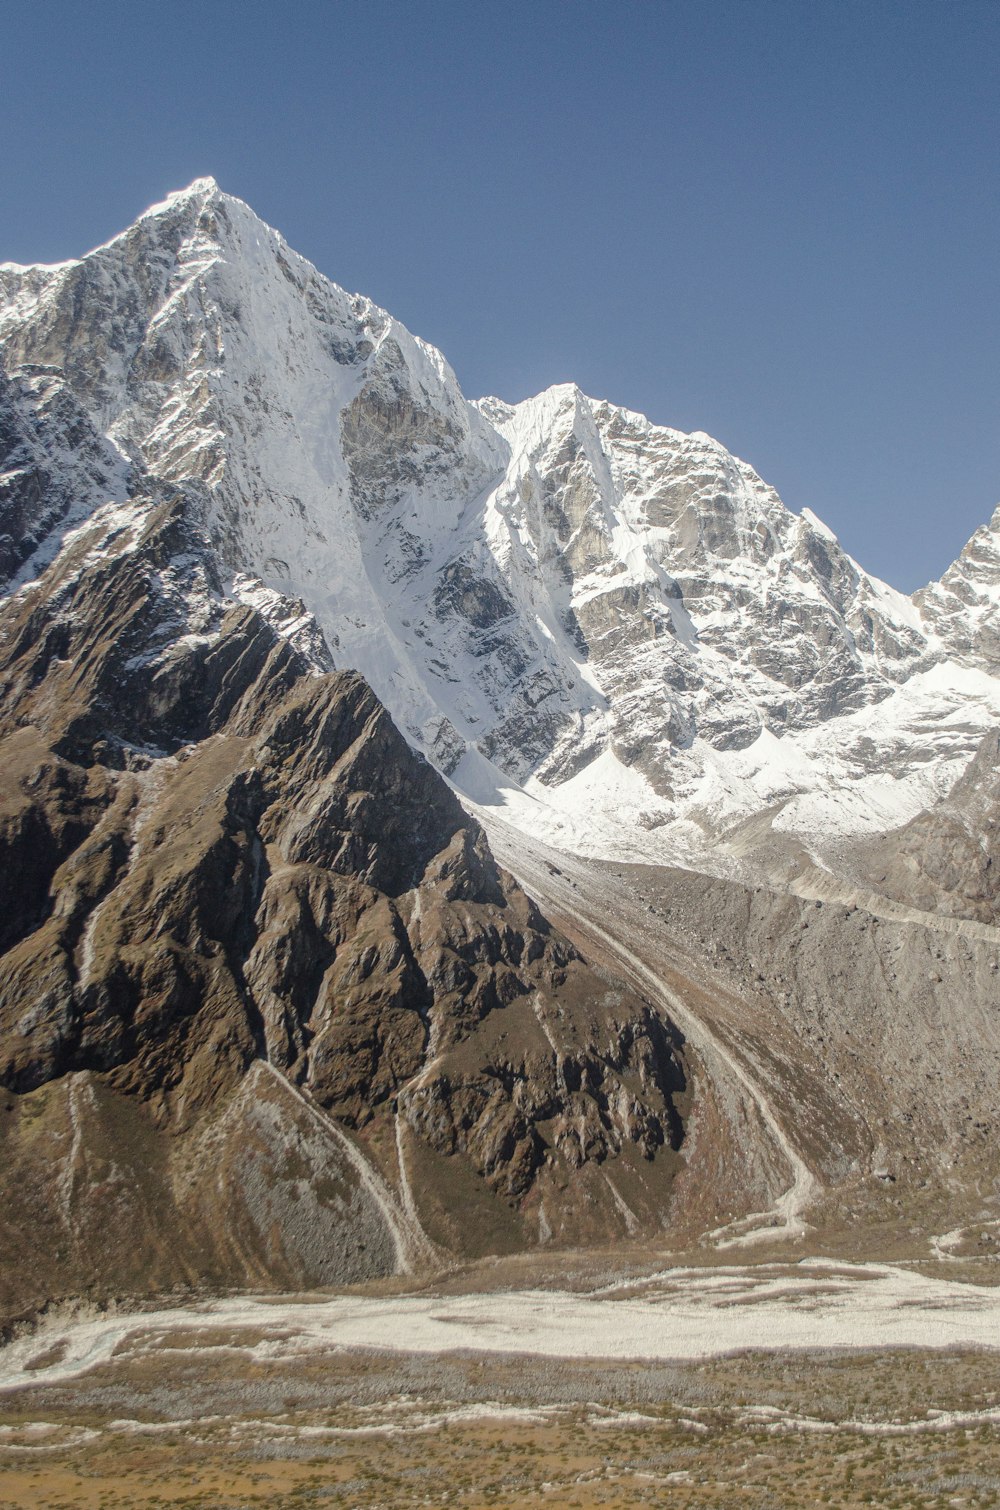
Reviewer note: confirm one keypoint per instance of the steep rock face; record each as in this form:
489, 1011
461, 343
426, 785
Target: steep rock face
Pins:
532, 590
964, 607
306, 422
702, 607
216, 857
51, 456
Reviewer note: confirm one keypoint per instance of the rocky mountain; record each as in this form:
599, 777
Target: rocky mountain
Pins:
259, 558
572, 611
220, 860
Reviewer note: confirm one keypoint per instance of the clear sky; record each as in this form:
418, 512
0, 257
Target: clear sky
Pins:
774, 220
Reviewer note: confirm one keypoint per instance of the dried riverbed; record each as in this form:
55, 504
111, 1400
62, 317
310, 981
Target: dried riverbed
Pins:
761, 1386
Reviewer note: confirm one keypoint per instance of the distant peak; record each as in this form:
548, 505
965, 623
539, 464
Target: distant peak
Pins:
565, 393
557, 397
200, 188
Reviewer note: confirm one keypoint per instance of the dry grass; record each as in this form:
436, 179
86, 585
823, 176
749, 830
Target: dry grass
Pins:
351, 1429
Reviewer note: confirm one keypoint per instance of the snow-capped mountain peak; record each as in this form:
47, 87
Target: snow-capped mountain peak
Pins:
565, 605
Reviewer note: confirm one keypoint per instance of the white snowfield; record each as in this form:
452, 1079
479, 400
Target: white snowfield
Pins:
614, 630
677, 1314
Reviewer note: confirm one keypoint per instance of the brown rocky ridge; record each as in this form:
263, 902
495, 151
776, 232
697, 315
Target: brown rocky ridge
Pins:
270, 1013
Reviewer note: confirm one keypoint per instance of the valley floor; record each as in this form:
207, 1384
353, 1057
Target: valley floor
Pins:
815, 1336
778, 1384
675, 1314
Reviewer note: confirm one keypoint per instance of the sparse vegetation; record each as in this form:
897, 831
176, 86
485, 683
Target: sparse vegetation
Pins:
221, 1432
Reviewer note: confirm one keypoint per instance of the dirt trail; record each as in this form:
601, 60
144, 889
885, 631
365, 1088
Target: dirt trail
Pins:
569, 886
822, 886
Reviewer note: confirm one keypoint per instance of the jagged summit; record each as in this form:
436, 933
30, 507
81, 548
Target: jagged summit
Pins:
198, 194
269, 1010
199, 188
570, 609
199, 191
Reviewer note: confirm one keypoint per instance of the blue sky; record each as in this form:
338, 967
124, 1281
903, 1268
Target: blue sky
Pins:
774, 220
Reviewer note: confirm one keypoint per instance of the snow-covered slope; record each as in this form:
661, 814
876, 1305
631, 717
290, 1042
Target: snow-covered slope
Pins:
964, 607
616, 629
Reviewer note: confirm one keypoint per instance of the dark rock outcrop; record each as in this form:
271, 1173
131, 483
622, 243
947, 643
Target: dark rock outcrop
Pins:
214, 858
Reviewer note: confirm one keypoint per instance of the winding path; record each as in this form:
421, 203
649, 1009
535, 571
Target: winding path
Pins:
544, 879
